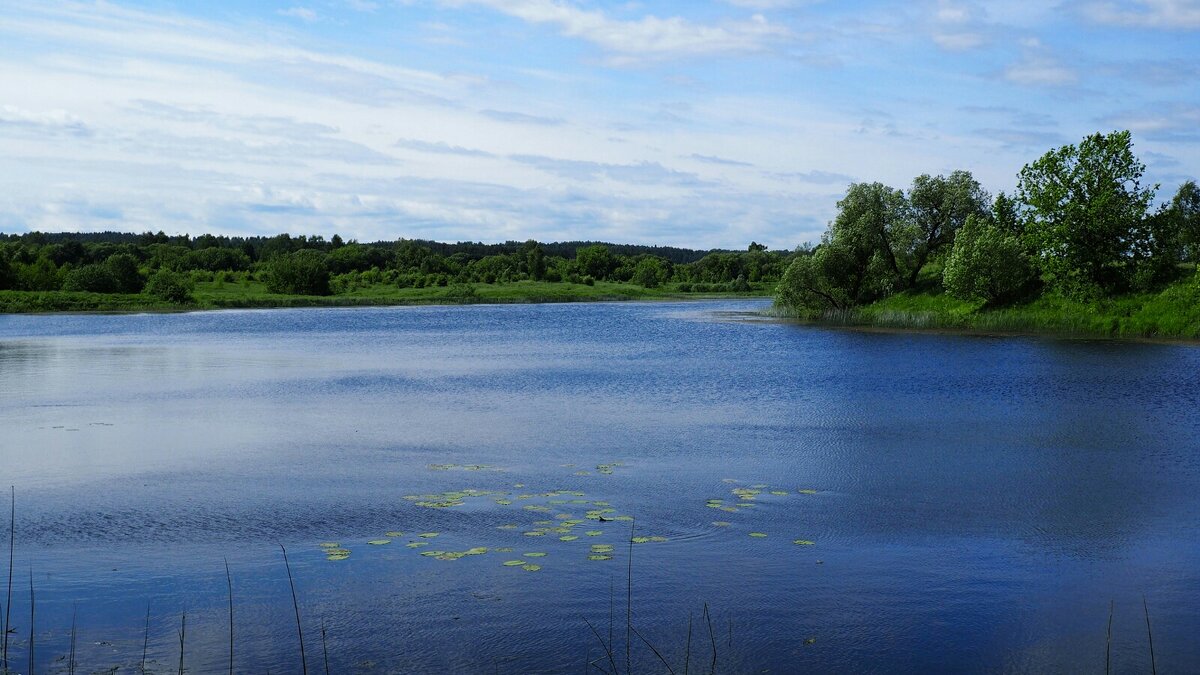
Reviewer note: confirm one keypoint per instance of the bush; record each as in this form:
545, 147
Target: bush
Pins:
170, 287
301, 273
588, 280
91, 279
987, 263
124, 269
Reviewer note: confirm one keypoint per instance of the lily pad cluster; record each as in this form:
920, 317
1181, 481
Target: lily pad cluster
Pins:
748, 498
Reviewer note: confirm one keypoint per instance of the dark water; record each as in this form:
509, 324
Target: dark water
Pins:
979, 501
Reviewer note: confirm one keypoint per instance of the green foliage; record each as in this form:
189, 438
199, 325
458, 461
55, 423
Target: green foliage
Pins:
41, 275
650, 272
595, 261
8, 275
940, 208
987, 263
94, 278
1086, 207
301, 273
124, 269
1184, 210
170, 286
215, 259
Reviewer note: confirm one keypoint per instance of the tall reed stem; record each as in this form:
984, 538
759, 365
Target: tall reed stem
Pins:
295, 606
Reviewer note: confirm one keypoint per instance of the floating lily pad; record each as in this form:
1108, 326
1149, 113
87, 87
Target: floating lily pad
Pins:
535, 533
379, 542
531, 567
506, 527
329, 544
504, 502
807, 492
337, 556
568, 537
758, 535
428, 535
534, 555
432, 554
600, 556
514, 563
779, 492
602, 548
417, 544
594, 533
641, 540
624, 518
720, 523
337, 551
804, 542
478, 550
504, 549
393, 534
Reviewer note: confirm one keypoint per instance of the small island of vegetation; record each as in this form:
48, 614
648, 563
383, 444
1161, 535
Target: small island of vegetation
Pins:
1078, 249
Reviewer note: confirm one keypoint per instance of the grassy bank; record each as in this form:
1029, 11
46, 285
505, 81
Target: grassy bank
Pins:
223, 295
1173, 313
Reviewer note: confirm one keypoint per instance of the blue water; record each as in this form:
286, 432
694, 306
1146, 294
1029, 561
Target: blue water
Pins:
974, 503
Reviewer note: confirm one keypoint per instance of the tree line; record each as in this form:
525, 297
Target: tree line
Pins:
168, 267
1080, 224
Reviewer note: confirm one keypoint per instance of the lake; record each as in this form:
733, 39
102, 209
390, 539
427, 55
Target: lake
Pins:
963, 503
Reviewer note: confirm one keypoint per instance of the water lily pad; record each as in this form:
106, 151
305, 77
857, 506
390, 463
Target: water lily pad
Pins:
779, 492
568, 537
514, 563
417, 544
379, 542
506, 527
432, 554
804, 542
758, 535
807, 492
600, 556
504, 502
594, 533
478, 550
504, 549
641, 540
720, 523
337, 556
531, 567
428, 535
329, 544
534, 555
535, 533
602, 548
337, 551
393, 534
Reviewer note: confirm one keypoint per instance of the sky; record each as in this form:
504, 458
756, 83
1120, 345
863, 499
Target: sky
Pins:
698, 123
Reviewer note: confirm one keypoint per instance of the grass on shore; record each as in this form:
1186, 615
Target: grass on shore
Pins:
222, 295
1173, 313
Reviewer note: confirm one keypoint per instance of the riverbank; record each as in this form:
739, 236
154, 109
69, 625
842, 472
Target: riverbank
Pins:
253, 294
1173, 313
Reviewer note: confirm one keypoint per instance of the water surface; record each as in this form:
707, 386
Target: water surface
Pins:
974, 503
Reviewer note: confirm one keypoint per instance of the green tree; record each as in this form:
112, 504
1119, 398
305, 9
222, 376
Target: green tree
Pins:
817, 281
94, 278
940, 207
301, 273
595, 261
535, 260
8, 276
1086, 205
41, 275
124, 269
1185, 210
650, 272
987, 263
170, 286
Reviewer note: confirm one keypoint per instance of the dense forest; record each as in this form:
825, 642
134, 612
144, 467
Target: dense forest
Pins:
1081, 228
168, 268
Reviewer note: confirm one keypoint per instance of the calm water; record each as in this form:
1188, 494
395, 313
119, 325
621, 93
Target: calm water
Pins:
978, 501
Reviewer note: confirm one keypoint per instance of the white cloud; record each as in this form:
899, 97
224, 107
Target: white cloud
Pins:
303, 13
1164, 14
649, 37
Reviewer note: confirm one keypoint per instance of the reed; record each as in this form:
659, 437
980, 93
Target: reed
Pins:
229, 585
182, 638
1150, 637
71, 658
12, 540
32, 616
1108, 641
295, 606
145, 640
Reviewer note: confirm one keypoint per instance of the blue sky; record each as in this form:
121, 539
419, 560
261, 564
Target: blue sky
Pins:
707, 123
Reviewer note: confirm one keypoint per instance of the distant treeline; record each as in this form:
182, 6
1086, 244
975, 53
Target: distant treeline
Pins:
168, 266
1080, 225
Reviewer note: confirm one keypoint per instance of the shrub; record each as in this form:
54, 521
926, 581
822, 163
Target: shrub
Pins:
301, 273
170, 286
987, 263
92, 279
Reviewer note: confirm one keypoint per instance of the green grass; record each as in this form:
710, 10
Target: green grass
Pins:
1173, 313
221, 295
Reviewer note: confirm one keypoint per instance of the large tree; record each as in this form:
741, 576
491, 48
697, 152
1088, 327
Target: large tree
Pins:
1086, 207
941, 206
